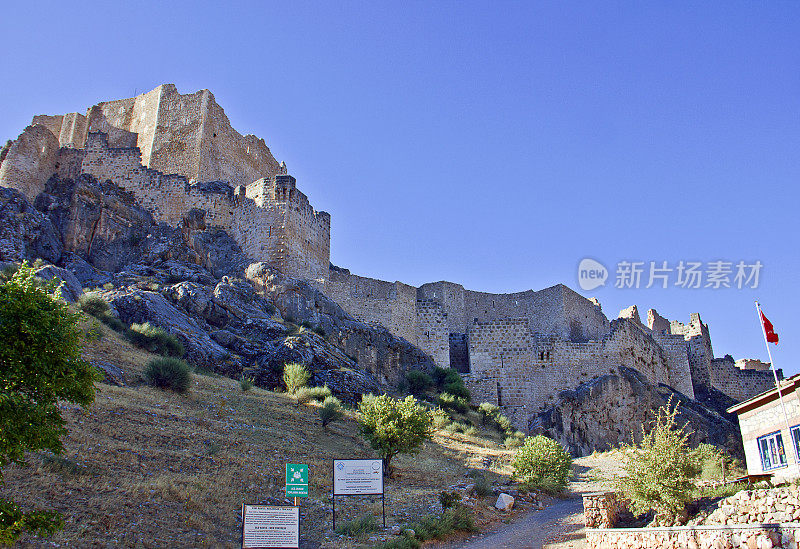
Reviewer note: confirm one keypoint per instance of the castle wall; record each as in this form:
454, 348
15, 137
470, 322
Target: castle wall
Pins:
525, 371
677, 355
391, 304
30, 161
740, 384
700, 351
228, 156
286, 232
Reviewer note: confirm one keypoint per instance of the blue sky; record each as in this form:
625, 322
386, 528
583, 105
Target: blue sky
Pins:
493, 144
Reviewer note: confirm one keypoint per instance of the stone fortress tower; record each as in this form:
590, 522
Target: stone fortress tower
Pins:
177, 153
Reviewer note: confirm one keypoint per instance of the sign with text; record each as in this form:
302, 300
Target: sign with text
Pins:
352, 477
296, 480
270, 527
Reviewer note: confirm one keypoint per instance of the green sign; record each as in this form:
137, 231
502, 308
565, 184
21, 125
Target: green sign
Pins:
296, 480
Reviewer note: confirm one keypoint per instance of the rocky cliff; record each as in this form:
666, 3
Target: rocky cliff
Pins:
609, 410
234, 316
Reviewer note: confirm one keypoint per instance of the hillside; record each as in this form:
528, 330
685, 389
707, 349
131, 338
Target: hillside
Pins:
144, 467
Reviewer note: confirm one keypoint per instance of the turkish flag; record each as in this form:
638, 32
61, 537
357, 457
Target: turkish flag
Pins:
772, 337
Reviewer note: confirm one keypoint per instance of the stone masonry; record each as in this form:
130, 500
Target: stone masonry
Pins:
178, 153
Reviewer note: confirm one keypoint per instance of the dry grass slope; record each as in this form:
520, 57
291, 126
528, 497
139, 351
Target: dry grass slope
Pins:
144, 467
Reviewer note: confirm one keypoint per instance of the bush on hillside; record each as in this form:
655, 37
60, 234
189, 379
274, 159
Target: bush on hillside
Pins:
93, 304
169, 373
488, 411
543, 464
330, 411
418, 382
458, 389
659, 469
452, 402
246, 383
307, 394
155, 339
295, 376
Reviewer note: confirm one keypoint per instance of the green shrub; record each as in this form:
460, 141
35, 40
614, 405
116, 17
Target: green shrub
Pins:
503, 424
113, 322
456, 427
457, 518
440, 419
659, 469
482, 486
513, 442
449, 499
711, 462
330, 411
246, 383
355, 528
93, 304
155, 339
169, 373
471, 431
394, 426
307, 394
295, 376
418, 382
542, 463
488, 411
457, 389
451, 402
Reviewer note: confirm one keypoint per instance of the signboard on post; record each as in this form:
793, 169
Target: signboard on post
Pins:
270, 527
356, 477
296, 480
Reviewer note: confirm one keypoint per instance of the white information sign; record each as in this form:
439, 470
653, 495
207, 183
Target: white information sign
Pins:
266, 526
357, 476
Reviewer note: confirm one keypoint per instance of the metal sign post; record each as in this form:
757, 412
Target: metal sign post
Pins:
358, 477
296, 481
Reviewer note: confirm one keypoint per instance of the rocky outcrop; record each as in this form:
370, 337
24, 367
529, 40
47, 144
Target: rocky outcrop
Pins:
190, 281
26, 233
373, 347
602, 413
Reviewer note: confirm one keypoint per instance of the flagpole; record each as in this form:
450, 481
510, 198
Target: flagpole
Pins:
780, 396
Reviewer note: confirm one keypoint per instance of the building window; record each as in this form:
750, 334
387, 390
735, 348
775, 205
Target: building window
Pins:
772, 453
796, 440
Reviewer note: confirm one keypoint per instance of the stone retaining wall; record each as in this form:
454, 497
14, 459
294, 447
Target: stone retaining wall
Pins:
736, 536
601, 509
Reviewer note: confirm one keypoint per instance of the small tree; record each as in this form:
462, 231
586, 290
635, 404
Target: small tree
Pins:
295, 376
543, 463
40, 364
659, 469
394, 426
331, 410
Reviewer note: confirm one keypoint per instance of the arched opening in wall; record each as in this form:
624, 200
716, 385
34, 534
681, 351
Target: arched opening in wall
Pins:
499, 394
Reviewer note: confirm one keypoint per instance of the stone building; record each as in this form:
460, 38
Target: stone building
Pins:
177, 153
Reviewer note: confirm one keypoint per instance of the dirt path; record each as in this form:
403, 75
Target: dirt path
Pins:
561, 524
561, 521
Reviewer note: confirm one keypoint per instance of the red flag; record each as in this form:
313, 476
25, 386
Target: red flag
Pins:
772, 337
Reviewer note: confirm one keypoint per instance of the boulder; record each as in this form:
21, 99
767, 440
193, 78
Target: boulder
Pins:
69, 285
505, 502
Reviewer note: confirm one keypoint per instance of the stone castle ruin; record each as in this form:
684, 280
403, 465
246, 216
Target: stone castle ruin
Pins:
179, 154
